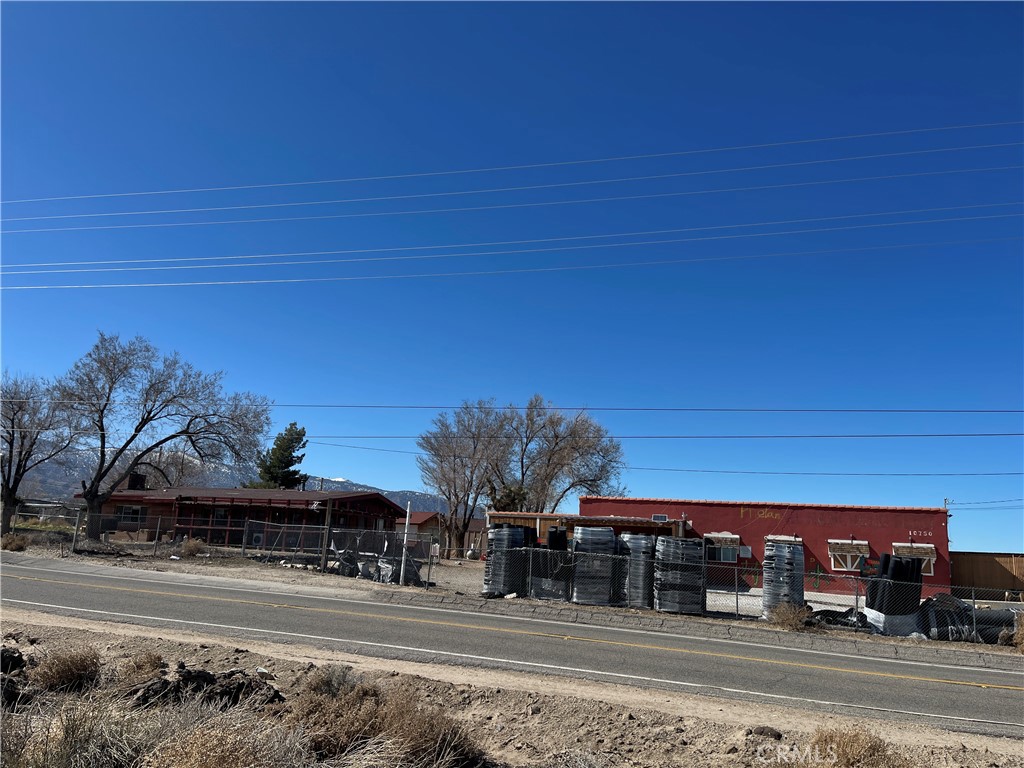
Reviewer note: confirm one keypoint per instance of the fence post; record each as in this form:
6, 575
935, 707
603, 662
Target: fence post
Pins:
323, 548
974, 614
245, 535
430, 561
736, 588
156, 539
405, 543
74, 536
529, 572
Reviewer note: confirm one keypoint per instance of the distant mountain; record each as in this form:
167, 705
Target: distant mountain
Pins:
61, 481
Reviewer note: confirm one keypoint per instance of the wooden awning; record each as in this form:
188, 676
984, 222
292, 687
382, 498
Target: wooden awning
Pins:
924, 551
848, 547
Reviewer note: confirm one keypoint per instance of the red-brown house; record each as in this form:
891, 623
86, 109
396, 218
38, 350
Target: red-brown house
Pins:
221, 515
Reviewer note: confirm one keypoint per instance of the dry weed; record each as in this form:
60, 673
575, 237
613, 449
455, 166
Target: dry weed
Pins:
13, 542
331, 680
142, 667
76, 669
1018, 634
855, 749
193, 547
235, 739
790, 617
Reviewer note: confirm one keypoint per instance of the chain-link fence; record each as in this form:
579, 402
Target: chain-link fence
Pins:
674, 583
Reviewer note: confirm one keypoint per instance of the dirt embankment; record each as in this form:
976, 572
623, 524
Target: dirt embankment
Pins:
522, 719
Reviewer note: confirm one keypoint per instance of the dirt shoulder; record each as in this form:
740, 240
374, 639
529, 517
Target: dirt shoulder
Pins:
522, 719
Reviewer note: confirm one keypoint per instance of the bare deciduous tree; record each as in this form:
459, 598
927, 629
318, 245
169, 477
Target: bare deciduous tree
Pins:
521, 460
134, 401
458, 453
33, 429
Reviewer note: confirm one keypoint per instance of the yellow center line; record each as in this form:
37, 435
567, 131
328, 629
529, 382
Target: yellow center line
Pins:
525, 633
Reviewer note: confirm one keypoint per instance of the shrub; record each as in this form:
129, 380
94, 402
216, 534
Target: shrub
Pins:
193, 547
339, 724
1018, 634
331, 680
235, 739
14, 542
141, 667
855, 749
790, 617
72, 670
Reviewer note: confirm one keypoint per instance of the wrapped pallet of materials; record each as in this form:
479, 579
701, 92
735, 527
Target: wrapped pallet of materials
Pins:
550, 574
892, 599
505, 570
679, 575
639, 551
595, 567
783, 573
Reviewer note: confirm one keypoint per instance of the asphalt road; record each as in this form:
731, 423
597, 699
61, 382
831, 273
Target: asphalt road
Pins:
957, 698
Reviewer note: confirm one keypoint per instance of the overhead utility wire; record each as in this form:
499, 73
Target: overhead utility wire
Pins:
881, 435
990, 501
8, 267
726, 471
525, 251
479, 273
507, 206
492, 190
594, 408
525, 166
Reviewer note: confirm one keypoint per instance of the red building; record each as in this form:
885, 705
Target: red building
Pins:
837, 539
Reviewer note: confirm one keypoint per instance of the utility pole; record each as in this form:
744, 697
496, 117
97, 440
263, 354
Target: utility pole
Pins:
405, 542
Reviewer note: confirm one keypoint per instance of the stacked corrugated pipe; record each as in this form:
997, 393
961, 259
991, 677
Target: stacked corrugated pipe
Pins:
505, 569
639, 548
679, 575
783, 573
595, 567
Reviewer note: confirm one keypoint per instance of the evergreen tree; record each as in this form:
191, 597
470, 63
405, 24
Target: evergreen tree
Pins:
276, 465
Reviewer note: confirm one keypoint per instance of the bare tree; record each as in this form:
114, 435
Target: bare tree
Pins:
548, 455
33, 429
134, 401
458, 453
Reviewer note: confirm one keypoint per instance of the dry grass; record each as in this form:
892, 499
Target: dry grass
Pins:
75, 669
193, 547
790, 617
339, 715
14, 542
142, 667
1018, 635
855, 749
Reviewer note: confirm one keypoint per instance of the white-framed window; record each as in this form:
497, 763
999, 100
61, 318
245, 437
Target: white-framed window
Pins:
722, 547
659, 518
924, 552
847, 554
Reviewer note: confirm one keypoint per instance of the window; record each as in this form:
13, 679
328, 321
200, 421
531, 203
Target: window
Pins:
924, 552
659, 518
128, 514
722, 547
847, 554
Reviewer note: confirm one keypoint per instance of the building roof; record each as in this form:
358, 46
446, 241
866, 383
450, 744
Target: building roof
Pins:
418, 518
257, 496
590, 521
716, 502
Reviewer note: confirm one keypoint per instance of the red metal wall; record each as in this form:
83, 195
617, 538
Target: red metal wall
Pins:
752, 521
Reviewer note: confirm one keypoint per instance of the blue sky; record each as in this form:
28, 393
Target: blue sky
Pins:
112, 98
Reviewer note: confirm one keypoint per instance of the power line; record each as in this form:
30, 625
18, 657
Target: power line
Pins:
874, 436
524, 166
493, 190
479, 273
473, 254
727, 471
600, 408
8, 267
508, 206
990, 501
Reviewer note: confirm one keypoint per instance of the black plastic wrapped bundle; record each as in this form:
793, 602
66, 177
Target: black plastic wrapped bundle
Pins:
506, 566
897, 590
639, 569
783, 571
679, 575
550, 574
558, 539
595, 567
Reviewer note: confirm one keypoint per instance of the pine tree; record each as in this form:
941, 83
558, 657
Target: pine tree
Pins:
276, 465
